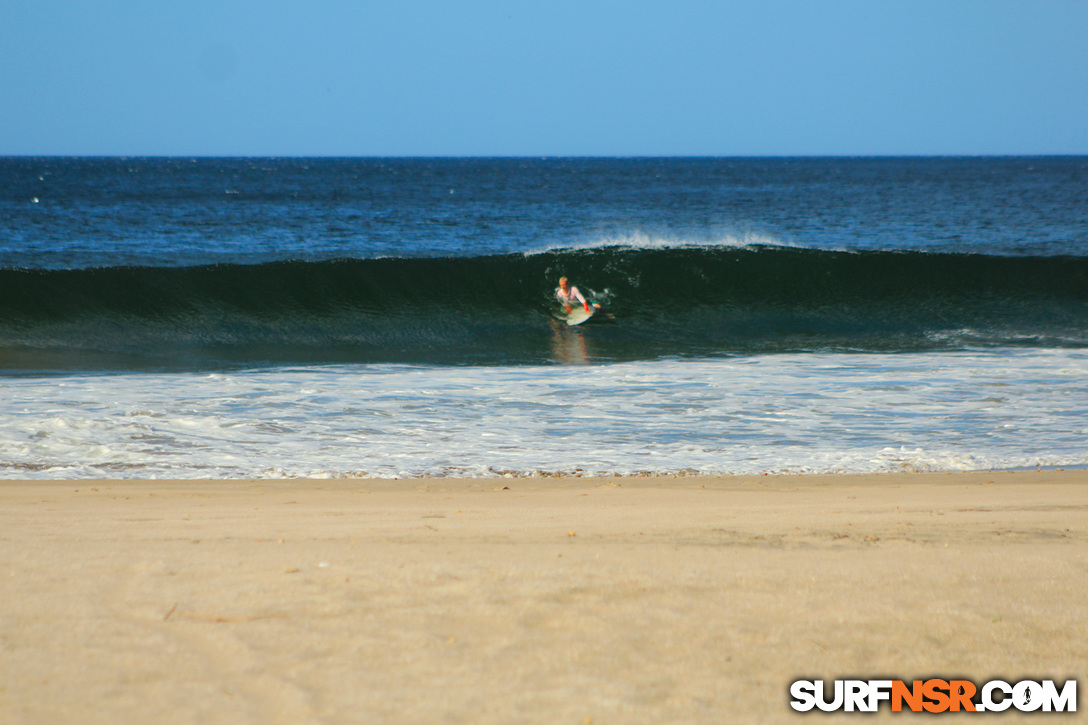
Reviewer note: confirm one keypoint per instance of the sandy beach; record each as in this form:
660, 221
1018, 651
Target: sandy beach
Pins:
550, 600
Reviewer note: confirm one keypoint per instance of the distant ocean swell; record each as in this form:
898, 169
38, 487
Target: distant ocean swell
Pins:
688, 301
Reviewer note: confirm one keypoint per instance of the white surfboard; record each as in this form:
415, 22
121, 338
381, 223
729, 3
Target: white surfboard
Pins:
578, 315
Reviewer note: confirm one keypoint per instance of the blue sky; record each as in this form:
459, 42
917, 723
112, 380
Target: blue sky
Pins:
550, 77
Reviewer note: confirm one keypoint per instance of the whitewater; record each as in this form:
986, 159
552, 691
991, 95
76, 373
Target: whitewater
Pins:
809, 413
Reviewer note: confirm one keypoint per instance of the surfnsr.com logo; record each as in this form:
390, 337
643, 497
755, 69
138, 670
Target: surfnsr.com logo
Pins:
934, 696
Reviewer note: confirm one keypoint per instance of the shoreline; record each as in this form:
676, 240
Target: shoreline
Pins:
562, 478
651, 599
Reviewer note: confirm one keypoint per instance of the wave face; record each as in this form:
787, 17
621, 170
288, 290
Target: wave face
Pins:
686, 301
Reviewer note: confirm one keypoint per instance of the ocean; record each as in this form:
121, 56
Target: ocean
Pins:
367, 317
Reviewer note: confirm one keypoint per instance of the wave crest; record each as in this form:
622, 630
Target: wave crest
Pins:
664, 300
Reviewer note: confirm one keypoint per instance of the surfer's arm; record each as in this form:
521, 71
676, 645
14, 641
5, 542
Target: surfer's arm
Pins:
574, 291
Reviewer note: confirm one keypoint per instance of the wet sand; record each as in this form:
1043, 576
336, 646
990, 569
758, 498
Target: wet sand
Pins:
550, 600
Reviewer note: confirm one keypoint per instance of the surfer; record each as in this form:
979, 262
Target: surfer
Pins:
567, 294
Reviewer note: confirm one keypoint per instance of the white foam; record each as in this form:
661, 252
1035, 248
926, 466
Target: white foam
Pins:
780, 413
644, 240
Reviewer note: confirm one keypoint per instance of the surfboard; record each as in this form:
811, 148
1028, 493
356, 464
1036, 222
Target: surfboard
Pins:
578, 315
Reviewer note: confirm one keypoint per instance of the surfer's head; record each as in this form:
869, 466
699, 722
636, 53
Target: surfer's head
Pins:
564, 284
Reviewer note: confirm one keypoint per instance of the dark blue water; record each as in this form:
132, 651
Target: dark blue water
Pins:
210, 263
394, 317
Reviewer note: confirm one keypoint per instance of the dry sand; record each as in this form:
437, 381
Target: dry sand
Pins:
665, 600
